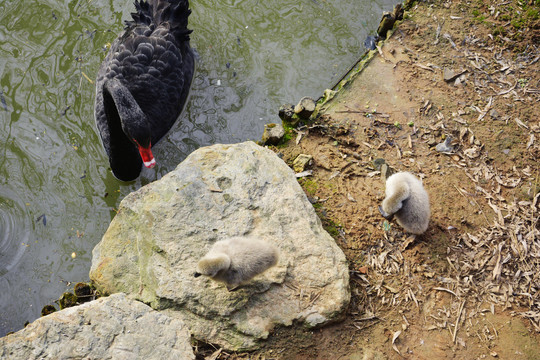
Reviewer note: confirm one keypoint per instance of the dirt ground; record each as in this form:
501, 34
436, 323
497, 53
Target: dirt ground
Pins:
468, 287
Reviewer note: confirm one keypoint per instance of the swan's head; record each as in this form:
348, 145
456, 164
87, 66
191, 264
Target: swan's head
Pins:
132, 119
385, 214
212, 265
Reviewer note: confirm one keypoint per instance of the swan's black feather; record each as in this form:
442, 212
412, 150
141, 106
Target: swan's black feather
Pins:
152, 58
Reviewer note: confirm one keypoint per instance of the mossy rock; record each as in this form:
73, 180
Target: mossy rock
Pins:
47, 309
84, 292
67, 300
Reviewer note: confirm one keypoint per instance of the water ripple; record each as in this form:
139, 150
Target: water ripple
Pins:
15, 228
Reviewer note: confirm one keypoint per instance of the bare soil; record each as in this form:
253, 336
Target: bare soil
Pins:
468, 287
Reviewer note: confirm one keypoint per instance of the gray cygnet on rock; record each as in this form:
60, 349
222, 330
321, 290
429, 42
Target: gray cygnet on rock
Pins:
237, 260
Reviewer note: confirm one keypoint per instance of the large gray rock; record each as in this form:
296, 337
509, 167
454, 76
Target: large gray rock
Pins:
108, 328
160, 232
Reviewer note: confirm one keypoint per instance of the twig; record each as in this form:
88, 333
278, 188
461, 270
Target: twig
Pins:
445, 289
350, 111
457, 321
507, 91
486, 109
438, 33
367, 325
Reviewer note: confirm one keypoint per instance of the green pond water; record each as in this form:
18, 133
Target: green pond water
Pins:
57, 193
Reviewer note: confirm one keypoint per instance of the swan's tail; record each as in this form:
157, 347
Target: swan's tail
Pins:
158, 12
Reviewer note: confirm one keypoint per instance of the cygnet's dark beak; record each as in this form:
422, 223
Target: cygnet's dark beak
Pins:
385, 215
197, 274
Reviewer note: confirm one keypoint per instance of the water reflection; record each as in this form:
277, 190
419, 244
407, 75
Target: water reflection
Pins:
57, 195
14, 230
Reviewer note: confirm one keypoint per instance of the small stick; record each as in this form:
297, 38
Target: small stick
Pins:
445, 289
457, 321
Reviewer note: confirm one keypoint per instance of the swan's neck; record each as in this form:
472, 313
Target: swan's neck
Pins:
124, 113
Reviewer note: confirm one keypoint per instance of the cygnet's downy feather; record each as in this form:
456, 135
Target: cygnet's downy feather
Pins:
408, 201
237, 260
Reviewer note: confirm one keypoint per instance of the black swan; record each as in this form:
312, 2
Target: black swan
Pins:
143, 83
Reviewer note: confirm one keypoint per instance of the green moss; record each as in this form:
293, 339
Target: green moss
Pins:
532, 14
522, 15
310, 186
289, 133
67, 300
332, 228
47, 309
517, 23
499, 30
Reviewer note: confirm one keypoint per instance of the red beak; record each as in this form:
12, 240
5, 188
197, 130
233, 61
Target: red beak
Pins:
147, 157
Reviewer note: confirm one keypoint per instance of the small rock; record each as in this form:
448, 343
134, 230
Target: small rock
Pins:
378, 163
83, 291
67, 300
273, 133
445, 146
386, 172
450, 75
506, 151
305, 107
47, 309
286, 112
301, 161
387, 23
371, 42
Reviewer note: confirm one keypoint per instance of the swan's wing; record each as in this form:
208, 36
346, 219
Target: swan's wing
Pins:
156, 70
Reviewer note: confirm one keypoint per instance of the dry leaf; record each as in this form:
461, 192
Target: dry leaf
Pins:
520, 123
214, 355
304, 174
363, 269
394, 338
531, 141
299, 137
472, 153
